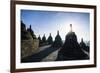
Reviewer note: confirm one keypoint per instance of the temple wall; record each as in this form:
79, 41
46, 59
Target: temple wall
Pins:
28, 47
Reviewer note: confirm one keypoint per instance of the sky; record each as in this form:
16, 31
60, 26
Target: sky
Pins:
46, 22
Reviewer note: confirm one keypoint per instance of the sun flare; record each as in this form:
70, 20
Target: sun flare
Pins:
76, 27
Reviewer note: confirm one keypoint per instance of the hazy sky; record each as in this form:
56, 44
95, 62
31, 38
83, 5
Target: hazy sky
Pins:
45, 22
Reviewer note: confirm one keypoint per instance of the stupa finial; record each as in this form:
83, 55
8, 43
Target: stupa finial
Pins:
58, 32
71, 27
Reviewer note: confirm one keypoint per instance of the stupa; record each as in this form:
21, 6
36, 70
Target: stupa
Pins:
71, 49
31, 32
50, 40
58, 41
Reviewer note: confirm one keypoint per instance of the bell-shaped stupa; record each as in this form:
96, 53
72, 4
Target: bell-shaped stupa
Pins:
71, 49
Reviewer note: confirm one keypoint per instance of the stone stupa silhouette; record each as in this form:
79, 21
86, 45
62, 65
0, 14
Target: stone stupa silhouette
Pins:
50, 40
58, 41
31, 32
71, 49
25, 35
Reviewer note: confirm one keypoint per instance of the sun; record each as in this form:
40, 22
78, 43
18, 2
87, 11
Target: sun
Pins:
71, 26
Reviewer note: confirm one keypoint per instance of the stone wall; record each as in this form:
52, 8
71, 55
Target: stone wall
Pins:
28, 47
